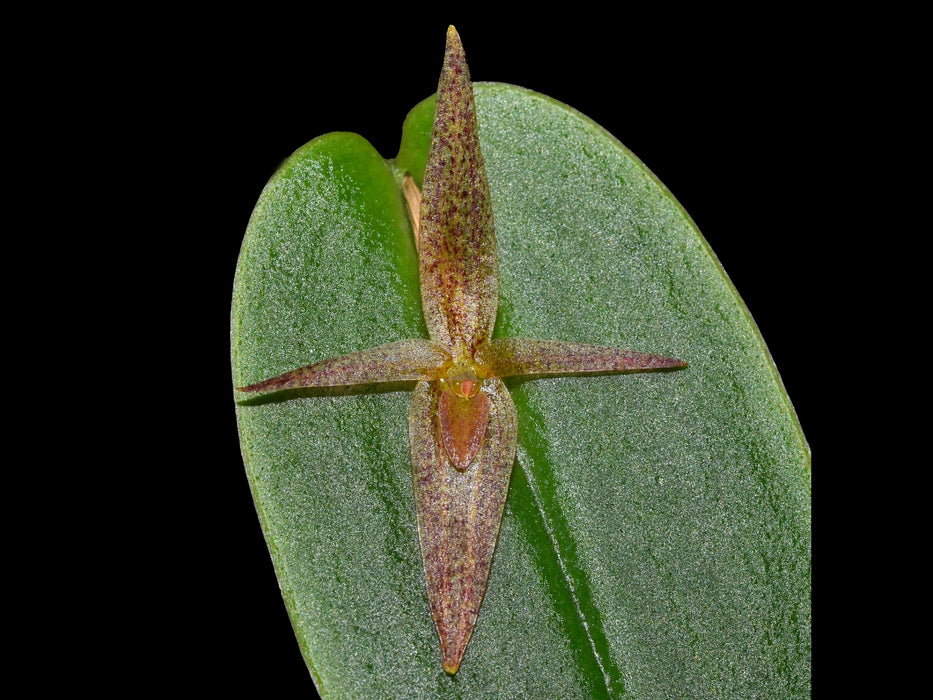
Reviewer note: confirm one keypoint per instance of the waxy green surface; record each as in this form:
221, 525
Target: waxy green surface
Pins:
657, 530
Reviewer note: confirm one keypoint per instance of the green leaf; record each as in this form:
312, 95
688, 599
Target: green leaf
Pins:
656, 539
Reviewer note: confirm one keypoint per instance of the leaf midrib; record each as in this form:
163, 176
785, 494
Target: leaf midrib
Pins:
547, 531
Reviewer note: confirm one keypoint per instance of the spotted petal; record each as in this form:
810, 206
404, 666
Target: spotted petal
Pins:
459, 512
508, 357
405, 360
457, 247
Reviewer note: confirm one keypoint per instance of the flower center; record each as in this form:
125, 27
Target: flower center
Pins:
463, 381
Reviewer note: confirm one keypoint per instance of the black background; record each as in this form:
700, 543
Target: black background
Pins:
729, 117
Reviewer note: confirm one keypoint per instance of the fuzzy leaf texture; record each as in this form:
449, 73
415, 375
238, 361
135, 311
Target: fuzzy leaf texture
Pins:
656, 536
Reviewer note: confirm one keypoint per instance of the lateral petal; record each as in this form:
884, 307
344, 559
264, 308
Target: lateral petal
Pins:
509, 357
405, 360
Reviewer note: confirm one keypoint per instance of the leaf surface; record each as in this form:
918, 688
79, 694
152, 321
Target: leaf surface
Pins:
656, 537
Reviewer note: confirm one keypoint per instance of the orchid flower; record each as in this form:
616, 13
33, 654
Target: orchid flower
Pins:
463, 424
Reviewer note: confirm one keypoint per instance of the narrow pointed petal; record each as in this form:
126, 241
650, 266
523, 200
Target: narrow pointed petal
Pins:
459, 513
405, 360
509, 357
457, 246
